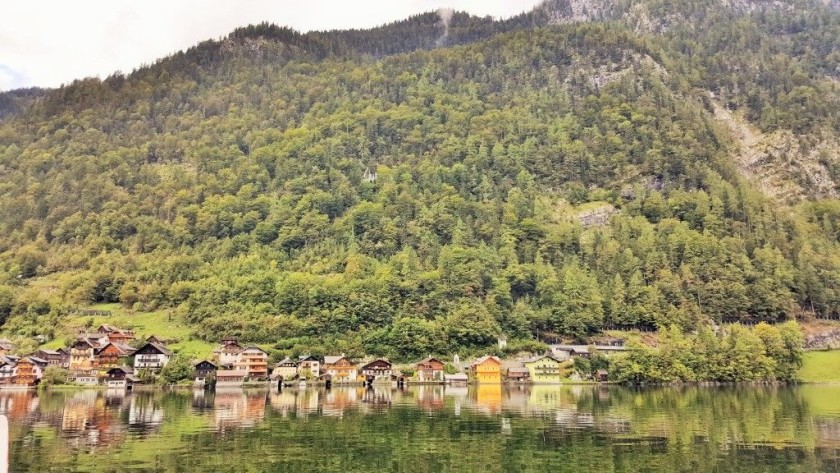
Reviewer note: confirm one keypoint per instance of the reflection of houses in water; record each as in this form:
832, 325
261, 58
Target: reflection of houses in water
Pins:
236, 408
88, 421
144, 415
430, 398
202, 401
376, 398
308, 401
283, 401
17, 405
488, 397
336, 401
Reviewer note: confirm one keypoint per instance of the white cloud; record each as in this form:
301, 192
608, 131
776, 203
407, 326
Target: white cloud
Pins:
47, 43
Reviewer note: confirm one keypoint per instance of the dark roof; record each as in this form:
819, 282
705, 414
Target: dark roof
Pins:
378, 360
48, 352
308, 358
206, 362
157, 346
124, 369
286, 361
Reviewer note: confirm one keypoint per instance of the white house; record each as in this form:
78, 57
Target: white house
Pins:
151, 356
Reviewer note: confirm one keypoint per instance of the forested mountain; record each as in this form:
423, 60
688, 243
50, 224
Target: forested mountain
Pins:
428, 185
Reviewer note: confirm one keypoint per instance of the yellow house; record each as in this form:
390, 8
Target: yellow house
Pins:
544, 369
487, 370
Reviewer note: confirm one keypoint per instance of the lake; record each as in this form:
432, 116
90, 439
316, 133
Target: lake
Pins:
427, 429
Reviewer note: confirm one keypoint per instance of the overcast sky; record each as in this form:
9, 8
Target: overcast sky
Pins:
47, 42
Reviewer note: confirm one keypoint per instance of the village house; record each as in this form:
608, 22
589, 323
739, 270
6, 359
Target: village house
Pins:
7, 368
309, 367
28, 371
518, 374
204, 370
601, 376
487, 370
115, 334
83, 355
121, 377
340, 369
112, 354
430, 370
544, 369
156, 339
377, 371
230, 378
457, 379
254, 361
151, 356
286, 369
227, 355
53, 357
86, 377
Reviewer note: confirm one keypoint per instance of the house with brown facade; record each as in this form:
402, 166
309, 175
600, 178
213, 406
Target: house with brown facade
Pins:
53, 357
204, 371
115, 334
83, 355
112, 354
340, 368
121, 377
519, 374
377, 371
230, 378
28, 371
430, 370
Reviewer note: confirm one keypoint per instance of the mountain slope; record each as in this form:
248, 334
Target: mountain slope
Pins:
529, 180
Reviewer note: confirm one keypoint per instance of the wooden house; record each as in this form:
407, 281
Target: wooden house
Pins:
564, 352
116, 334
230, 378
254, 360
83, 355
7, 368
518, 374
121, 377
286, 369
151, 356
28, 371
204, 371
430, 370
112, 354
340, 368
53, 357
227, 354
487, 370
377, 371
544, 369
309, 367
602, 376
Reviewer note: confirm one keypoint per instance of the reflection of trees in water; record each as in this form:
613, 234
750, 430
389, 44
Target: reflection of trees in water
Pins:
596, 428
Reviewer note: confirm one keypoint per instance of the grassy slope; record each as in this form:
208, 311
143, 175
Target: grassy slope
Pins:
821, 366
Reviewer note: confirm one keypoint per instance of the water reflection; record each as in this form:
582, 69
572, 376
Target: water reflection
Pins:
708, 425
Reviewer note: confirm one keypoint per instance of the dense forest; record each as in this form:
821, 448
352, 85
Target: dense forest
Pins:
435, 183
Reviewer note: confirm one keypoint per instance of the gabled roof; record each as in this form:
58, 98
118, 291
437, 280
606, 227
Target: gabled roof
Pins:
125, 350
254, 348
378, 360
429, 359
34, 360
286, 361
331, 360
540, 357
48, 352
205, 361
157, 346
6, 345
486, 358
105, 328
302, 358
124, 369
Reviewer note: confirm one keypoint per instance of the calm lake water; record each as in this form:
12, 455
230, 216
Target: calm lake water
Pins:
427, 429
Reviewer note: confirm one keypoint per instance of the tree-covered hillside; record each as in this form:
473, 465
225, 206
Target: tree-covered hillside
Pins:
429, 185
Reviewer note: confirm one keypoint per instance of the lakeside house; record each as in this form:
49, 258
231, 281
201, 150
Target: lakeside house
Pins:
286, 369
340, 368
85, 377
28, 371
83, 354
430, 370
121, 377
7, 368
487, 370
112, 354
254, 361
309, 367
230, 378
518, 374
204, 370
457, 379
377, 371
227, 354
151, 356
53, 357
544, 369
